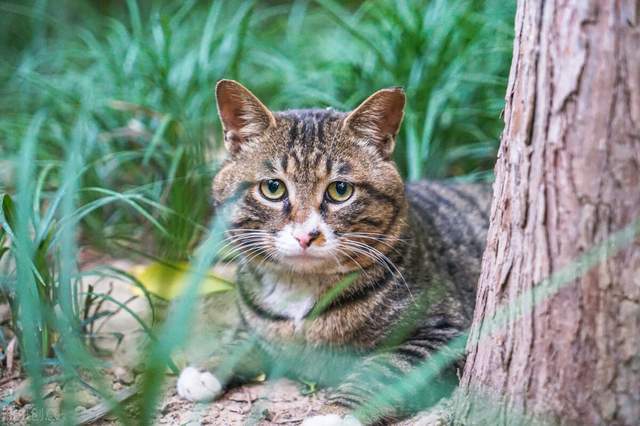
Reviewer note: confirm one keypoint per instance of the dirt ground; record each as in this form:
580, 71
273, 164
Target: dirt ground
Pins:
279, 403
262, 404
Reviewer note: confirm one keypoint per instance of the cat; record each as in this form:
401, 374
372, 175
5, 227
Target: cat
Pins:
318, 209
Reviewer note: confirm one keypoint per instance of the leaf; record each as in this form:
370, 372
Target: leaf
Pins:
157, 138
169, 280
3, 235
309, 387
3, 250
9, 211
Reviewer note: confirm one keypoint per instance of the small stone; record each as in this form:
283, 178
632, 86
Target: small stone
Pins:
5, 312
123, 375
85, 398
53, 405
267, 415
23, 393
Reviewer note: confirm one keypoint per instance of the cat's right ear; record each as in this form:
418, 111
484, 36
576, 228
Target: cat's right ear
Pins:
242, 114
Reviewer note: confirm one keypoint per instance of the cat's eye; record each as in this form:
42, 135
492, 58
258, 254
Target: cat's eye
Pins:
273, 189
339, 191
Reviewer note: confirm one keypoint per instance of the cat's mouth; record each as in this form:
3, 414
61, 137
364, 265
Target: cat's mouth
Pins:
308, 263
303, 262
303, 257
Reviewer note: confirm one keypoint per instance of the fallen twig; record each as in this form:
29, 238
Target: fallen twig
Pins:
100, 410
285, 421
8, 379
10, 353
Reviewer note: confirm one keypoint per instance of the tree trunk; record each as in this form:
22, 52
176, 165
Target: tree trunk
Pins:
548, 344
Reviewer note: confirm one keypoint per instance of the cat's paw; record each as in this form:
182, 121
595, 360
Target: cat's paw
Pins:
198, 386
331, 420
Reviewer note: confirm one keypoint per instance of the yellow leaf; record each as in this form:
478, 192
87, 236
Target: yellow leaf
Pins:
169, 280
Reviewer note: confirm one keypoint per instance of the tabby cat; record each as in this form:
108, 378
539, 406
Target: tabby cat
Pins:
347, 277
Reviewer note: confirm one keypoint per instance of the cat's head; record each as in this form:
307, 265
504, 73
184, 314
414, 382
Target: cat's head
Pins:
311, 190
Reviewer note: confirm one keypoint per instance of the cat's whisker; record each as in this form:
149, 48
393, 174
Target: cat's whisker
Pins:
244, 238
247, 260
380, 239
364, 272
247, 233
247, 229
376, 234
246, 244
387, 240
250, 248
375, 252
373, 258
338, 263
365, 248
225, 242
257, 252
345, 253
240, 234
247, 250
232, 236
244, 249
367, 254
271, 254
238, 241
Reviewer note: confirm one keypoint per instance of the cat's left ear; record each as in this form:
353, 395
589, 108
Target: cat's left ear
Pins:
242, 114
378, 118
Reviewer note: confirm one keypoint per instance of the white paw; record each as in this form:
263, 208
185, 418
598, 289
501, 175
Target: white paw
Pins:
331, 420
194, 385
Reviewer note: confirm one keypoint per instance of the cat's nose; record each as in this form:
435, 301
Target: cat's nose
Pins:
306, 239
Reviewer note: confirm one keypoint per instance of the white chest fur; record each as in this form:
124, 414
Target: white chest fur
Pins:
290, 295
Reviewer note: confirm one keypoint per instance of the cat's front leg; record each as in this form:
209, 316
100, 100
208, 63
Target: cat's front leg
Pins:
243, 361
198, 386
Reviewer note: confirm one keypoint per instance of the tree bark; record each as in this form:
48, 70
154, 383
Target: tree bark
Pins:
567, 180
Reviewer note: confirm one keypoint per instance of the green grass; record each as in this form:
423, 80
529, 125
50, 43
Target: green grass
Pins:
109, 134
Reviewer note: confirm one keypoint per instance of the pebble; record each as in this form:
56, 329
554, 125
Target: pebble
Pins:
123, 375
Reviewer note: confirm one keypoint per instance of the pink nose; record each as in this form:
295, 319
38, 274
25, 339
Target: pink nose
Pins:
305, 240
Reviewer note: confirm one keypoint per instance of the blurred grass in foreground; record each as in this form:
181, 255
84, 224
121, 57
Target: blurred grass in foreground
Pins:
109, 134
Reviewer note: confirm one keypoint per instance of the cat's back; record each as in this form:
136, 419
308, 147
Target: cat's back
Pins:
457, 212
450, 220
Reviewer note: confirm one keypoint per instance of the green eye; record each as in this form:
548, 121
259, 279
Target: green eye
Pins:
339, 191
273, 189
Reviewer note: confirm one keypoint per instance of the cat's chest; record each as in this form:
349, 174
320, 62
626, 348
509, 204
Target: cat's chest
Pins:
288, 295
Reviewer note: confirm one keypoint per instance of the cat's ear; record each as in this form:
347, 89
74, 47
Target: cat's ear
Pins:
378, 118
242, 114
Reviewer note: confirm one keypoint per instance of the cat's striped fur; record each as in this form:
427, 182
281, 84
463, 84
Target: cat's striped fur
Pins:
417, 249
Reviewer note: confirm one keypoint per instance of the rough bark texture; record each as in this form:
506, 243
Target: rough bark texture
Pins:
567, 178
